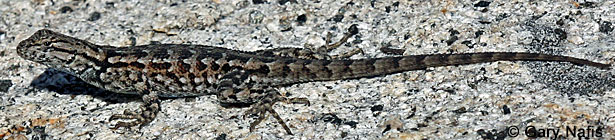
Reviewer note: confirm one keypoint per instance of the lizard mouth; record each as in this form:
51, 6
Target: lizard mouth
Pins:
25, 48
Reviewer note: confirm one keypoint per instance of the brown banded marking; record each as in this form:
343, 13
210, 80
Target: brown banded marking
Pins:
412, 62
522, 55
479, 57
360, 67
118, 53
338, 68
178, 73
179, 67
433, 60
157, 67
385, 65
196, 71
317, 67
298, 70
527, 55
542, 56
156, 72
276, 68
210, 73
201, 75
199, 66
458, 59
298, 67
253, 64
500, 56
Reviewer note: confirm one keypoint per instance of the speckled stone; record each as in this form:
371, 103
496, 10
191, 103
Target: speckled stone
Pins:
457, 102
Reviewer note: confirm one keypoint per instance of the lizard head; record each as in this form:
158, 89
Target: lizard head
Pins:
44, 47
55, 50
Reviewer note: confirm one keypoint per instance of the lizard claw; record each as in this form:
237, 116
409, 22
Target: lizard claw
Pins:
147, 114
127, 115
261, 108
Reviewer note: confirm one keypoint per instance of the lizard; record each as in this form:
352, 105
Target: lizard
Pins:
233, 76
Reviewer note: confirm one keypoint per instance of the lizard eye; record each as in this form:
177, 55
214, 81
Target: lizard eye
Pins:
47, 43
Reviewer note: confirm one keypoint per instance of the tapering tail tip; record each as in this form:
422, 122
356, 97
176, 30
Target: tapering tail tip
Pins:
577, 61
547, 57
602, 66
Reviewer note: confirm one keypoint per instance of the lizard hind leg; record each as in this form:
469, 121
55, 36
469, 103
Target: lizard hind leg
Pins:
148, 112
318, 53
352, 30
265, 104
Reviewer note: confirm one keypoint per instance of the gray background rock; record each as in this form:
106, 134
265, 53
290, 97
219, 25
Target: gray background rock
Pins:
473, 101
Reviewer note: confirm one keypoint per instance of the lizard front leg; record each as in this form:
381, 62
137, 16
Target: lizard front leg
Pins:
147, 114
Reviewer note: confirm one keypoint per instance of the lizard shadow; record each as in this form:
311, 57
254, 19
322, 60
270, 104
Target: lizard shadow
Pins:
66, 84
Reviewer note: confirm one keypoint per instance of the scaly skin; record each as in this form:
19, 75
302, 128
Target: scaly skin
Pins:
236, 77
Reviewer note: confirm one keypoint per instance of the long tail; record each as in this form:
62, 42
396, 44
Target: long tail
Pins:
324, 70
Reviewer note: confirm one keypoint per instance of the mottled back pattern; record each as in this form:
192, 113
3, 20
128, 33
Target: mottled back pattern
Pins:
177, 70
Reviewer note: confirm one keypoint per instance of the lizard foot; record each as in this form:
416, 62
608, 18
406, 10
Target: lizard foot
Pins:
261, 108
352, 30
128, 114
147, 115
